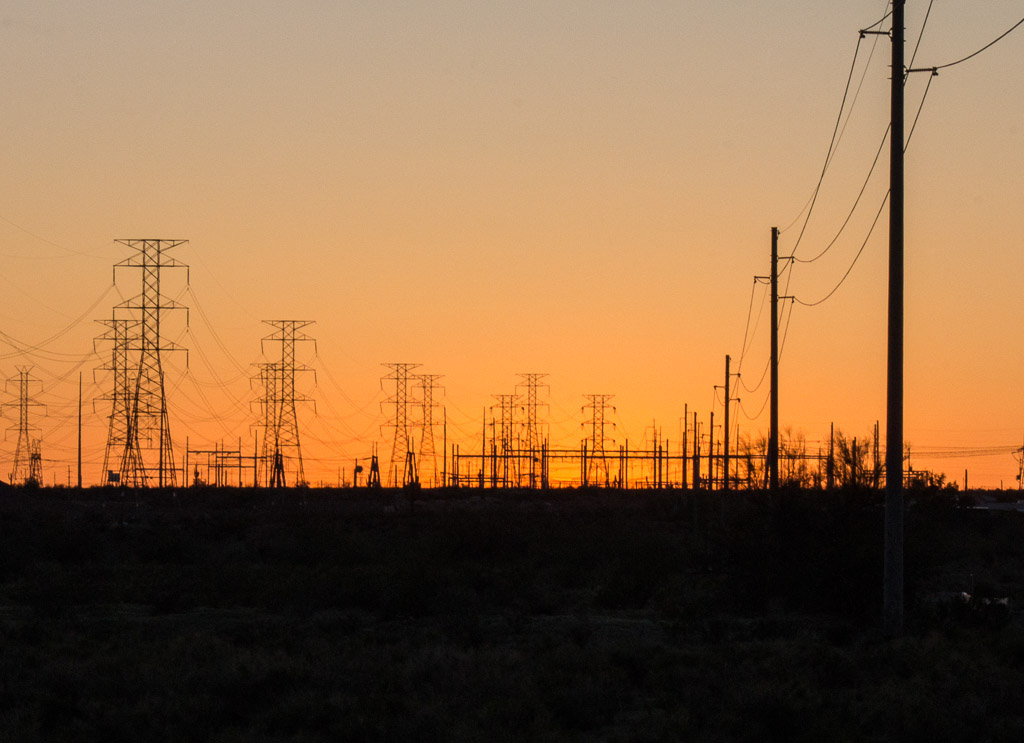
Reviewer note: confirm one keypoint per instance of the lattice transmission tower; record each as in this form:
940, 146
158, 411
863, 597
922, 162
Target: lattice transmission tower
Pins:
506, 438
402, 453
427, 385
532, 440
118, 333
27, 467
281, 450
146, 452
597, 442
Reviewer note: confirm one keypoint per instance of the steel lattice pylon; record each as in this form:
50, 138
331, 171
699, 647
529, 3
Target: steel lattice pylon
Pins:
531, 425
426, 384
505, 437
147, 432
27, 460
120, 397
281, 443
597, 462
401, 447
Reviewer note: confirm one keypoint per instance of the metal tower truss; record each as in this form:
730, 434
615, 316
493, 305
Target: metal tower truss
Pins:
119, 330
427, 384
596, 471
27, 467
281, 452
532, 439
508, 469
402, 453
147, 456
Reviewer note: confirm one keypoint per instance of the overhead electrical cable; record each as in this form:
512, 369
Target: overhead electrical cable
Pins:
27, 348
867, 179
920, 35
863, 76
855, 259
759, 412
878, 214
216, 337
831, 148
881, 20
40, 238
764, 375
987, 46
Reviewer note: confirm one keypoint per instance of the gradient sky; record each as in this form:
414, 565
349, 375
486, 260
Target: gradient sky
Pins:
582, 188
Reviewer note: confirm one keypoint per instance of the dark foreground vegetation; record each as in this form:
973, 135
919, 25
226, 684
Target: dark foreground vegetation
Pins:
348, 616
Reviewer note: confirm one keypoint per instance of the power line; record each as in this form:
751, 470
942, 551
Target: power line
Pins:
975, 54
920, 107
856, 202
880, 20
854, 263
831, 146
849, 114
30, 349
921, 34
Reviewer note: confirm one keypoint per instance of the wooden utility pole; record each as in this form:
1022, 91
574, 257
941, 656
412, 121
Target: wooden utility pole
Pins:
773, 433
696, 452
893, 581
79, 431
686, 426
711, 452
725, 438
830, 468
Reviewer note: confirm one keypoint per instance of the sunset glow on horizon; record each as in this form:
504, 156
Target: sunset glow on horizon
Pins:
579, 189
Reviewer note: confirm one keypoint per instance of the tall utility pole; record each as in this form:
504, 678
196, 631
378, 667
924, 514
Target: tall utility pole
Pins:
426, 384
401, 446
280, 419
686, 428
597, 406
696, 452
148, 426
531, 425
725, 439
27, 462
725, 431
711, 451
773, 433
79, 430
893, 581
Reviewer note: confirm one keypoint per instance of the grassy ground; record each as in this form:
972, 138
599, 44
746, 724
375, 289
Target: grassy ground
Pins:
241, 616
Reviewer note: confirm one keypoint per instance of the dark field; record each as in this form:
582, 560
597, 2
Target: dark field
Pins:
348, 616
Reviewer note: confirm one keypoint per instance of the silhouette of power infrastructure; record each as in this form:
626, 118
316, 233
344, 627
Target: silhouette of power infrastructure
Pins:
403, 454
427, 385
532, 440
139, 450
281, 451
515, 449
515, 453
28, 458
895, 472
597, 463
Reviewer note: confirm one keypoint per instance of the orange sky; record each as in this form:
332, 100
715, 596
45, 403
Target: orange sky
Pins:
579, 188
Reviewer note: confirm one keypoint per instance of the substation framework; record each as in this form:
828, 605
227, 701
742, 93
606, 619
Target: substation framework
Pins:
657, 467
